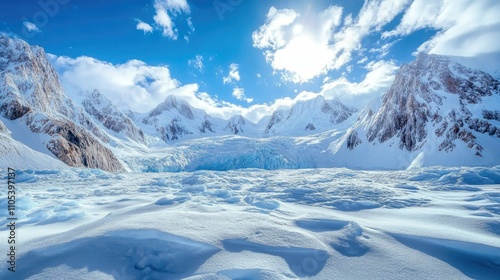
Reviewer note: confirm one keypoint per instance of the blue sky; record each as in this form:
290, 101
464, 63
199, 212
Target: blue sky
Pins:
243, 56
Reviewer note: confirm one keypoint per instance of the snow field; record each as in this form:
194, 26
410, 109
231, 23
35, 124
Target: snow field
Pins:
256, 224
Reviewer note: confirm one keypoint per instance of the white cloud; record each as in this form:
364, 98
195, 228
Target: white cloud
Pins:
363, 60
234, 74
132, 85
197, 63
166, 11
383, 50
301, 48
140, 87
465, 28
144, 27
239, 93
376, 82
271, 35
31, 27
190, 25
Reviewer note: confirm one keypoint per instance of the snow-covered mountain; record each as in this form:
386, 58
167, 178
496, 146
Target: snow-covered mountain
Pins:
437, 112
175, 119
308, 116
31, 95
103, 110
14, 153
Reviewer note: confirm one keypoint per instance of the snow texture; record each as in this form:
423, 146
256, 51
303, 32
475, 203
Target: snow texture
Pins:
256, 224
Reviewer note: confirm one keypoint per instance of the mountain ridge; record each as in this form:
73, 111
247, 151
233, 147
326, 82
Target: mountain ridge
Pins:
436, 112
430, 110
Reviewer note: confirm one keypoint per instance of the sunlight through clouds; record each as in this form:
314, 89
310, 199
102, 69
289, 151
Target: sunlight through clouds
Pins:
301, 53
378, 79
348, 52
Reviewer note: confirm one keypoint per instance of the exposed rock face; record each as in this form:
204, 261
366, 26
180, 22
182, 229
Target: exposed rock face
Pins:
30, 90
171, 103
98, 106
206, 126
2, 127
174, 119
353, 140
235, 125
13, 109
310, 126
276, 118
172, 131
309, 115
434, 97
76, 147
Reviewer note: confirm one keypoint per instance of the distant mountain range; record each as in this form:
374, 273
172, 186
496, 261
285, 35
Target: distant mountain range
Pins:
437, 112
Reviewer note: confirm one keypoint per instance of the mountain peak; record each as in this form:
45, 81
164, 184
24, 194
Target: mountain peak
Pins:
435, 106
308, 113
173, 103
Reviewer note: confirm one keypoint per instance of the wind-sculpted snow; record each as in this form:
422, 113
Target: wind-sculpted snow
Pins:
257, 224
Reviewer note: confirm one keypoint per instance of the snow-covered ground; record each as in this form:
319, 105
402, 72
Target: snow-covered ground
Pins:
433, 223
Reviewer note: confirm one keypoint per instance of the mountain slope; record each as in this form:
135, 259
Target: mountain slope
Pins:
175, 119
16, 155
308, 117
103, 110
437, 112
30, 91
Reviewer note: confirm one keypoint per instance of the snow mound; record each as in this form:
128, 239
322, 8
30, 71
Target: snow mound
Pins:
258, 224
122, 254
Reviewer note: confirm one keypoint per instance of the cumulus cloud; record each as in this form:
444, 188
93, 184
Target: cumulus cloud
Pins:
132, 85
302, 47
144, 27
465, 28
233, 76
140, 87
272, 34
31, 27
239, 93
376, 82
197, 63
166, 12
